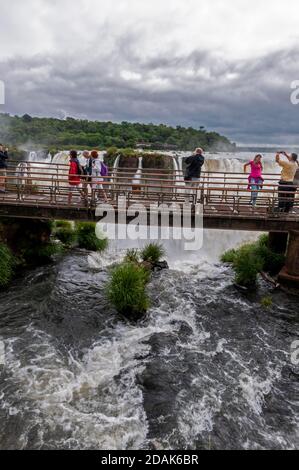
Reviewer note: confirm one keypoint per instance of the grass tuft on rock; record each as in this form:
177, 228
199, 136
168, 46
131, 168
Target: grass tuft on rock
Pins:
267, 302
127, 289
152, 253
132, 256
247, 265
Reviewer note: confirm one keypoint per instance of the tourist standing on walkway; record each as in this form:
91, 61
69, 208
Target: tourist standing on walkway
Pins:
255, 178
3, 167
194, 166
287, 189
99, 172
75, 172
86, 163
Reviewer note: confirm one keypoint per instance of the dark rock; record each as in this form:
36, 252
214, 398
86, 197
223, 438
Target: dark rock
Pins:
160, 266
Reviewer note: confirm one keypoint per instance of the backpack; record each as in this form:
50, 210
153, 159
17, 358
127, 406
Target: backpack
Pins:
104, 170
74, 168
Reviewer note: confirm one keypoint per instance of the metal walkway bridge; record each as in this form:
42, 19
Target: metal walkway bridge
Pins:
41, 190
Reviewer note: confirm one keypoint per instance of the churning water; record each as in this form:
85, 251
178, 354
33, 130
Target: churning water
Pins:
207, 368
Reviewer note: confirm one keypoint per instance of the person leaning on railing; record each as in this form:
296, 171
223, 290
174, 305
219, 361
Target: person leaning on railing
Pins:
3, 167
287, 189
194, 166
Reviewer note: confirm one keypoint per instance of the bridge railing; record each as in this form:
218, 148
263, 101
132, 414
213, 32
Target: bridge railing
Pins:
219, 192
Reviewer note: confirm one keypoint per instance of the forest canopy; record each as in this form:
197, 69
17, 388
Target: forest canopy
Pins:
56, 133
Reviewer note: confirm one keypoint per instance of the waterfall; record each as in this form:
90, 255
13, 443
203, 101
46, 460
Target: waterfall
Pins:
115, 165
33, 157
178, 175
61, 157
180, 163
137, 177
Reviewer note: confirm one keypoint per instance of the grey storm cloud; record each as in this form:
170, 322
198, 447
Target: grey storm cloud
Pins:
247, 99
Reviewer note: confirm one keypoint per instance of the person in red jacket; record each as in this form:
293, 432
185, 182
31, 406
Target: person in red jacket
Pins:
75, 171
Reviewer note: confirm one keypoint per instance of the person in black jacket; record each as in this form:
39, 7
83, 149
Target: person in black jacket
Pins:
194, 166
3, 167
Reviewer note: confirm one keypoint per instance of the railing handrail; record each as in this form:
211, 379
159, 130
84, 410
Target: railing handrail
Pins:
108, 181
131, 170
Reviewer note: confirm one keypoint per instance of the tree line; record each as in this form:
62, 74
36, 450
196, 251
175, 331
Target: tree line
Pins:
52, 133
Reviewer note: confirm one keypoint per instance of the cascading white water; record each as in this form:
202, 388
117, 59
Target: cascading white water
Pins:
221, 162
203, 352
230, 162
178, 175
206, 368
138, 175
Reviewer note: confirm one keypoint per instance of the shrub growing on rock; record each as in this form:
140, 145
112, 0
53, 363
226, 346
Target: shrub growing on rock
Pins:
249, 260
87, 238
127, 289
132, 256
229, 256
152, 253
247, 265
272, 262
65, 232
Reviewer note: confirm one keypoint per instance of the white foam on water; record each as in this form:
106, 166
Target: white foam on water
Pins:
254, 390
94, 399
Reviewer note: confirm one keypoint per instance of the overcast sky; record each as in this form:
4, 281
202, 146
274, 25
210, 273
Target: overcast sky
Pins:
224, 64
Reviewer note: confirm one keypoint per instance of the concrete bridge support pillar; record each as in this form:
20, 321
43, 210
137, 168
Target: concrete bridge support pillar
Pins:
278, 242
290, 273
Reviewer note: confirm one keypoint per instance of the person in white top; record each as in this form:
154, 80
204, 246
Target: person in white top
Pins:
97, 178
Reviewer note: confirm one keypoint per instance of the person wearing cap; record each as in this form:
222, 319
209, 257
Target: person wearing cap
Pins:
255, 178
3, 167
287, 189
194, 166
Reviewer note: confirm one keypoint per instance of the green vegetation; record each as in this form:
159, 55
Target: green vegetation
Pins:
272, 262
129, 158
132, 256
152, 253
127, 286
267, 302
249, 260
247, 265
127, 289
55, 133
26, 243
229, 256
35, 255
6, 265
65, 232
87, 238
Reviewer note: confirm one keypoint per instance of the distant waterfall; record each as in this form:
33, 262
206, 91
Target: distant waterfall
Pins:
178, 173
32, 157
61, 157
138, 175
